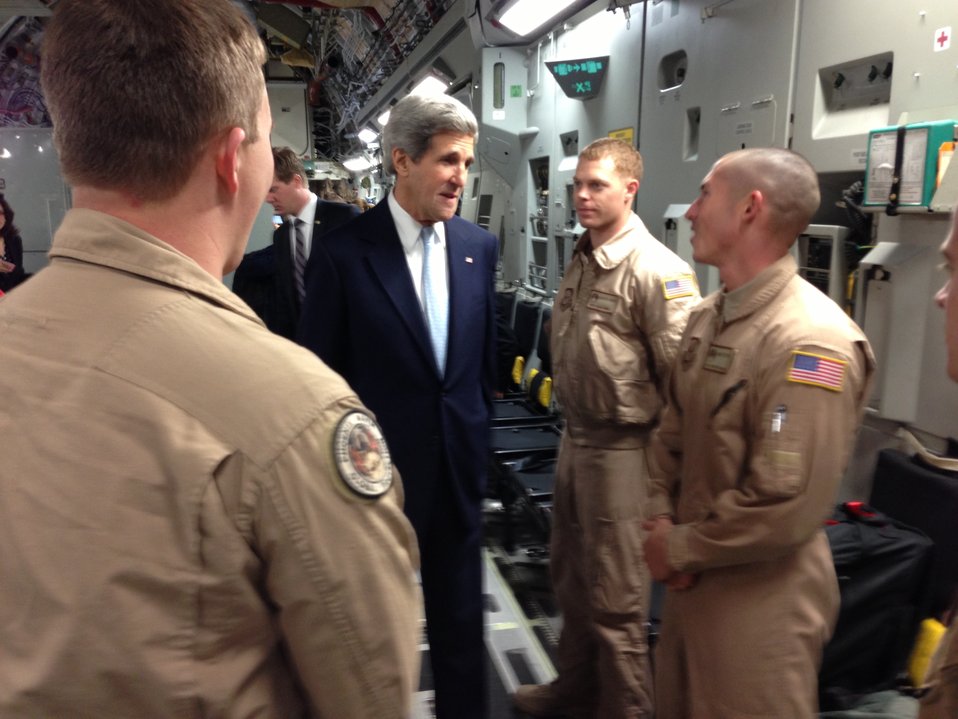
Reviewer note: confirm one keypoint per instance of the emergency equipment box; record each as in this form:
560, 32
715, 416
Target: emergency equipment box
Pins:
901, 168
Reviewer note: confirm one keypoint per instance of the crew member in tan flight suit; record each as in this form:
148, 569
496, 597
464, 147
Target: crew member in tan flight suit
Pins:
620, 313
940, 700
188, 522
764, 403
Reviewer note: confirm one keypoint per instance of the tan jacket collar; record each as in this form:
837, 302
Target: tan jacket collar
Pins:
101, 239
611, 254
758, 291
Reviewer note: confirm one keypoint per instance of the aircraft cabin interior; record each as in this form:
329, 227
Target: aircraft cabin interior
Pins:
865, 90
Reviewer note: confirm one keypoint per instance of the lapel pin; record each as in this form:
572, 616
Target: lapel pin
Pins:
469, 260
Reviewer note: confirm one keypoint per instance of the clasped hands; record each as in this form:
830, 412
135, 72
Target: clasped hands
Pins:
656, 548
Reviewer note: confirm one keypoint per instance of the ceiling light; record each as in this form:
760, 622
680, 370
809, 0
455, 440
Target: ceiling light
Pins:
383, 119
527, 15
429, 85
357, 164
367, 136
5, 154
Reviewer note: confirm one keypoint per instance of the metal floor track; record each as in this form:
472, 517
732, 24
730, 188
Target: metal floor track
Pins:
519, 638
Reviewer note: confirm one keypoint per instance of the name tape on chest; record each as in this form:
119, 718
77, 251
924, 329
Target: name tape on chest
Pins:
362, 456
678, 286
602, 302
719, 359
817, 370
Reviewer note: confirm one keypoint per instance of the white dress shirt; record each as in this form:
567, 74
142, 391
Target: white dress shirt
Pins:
408, 230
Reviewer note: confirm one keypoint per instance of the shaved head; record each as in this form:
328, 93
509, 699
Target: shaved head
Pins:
786, 180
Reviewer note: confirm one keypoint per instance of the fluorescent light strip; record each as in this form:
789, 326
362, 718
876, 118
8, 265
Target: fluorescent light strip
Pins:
527, 15
429, 85
357, 164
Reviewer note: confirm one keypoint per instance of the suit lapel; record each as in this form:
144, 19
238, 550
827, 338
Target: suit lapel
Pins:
463, 268
318, 219
284, 261
387, 260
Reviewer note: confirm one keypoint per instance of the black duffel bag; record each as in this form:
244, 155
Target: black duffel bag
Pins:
882, 568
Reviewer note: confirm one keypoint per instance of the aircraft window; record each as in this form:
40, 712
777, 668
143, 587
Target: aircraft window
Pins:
499, 85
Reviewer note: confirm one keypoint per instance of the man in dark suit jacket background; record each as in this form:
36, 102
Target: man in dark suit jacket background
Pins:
365, 315
267, 279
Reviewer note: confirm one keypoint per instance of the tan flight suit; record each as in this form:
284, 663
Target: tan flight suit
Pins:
616, 325
941, 699
765, 400
195, 519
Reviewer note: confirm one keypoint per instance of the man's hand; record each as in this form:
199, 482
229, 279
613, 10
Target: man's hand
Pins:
656, 549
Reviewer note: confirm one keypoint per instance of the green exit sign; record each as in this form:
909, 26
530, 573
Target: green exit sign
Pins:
580, 79
515, 91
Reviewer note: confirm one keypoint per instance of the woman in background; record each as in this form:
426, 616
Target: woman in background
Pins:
11, 250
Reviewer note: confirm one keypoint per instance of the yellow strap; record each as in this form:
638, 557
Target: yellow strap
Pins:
545, 392
517, 369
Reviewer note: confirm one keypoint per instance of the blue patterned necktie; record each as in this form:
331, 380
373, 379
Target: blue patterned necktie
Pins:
299, 261
435, 296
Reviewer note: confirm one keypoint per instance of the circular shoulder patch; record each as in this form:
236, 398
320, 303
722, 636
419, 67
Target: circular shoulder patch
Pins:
362, 456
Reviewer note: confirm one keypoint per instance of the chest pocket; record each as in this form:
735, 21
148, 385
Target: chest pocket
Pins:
624, 390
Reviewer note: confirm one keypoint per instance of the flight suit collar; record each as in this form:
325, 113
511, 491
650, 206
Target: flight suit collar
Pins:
101, 239
611, 254
758, 291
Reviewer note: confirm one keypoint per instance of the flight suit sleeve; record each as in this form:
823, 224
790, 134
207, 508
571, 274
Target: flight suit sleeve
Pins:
665, 461
339, 569
662, 316
799, 429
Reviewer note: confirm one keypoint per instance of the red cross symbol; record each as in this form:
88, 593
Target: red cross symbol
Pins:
942, 38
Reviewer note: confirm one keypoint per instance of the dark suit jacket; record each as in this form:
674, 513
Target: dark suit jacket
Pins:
362, 317
264, 279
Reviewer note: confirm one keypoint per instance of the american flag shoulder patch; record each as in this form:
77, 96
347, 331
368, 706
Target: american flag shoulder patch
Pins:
678, 286
817, 370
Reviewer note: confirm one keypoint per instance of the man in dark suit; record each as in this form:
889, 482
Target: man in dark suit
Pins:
270, 280
401, 302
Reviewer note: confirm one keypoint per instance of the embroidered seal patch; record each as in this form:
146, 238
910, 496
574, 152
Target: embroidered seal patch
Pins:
362, 456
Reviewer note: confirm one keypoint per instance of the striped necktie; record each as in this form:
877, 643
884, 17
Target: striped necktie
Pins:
299, 261
435, 296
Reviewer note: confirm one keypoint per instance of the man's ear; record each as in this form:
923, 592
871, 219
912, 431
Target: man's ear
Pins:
227, 158
754, 203
632, 187
400, 161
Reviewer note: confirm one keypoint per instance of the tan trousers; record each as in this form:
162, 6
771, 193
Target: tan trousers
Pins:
746, 641
601, 582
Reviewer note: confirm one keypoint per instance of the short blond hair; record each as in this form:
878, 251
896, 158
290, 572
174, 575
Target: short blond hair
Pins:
625, 158
136, 88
